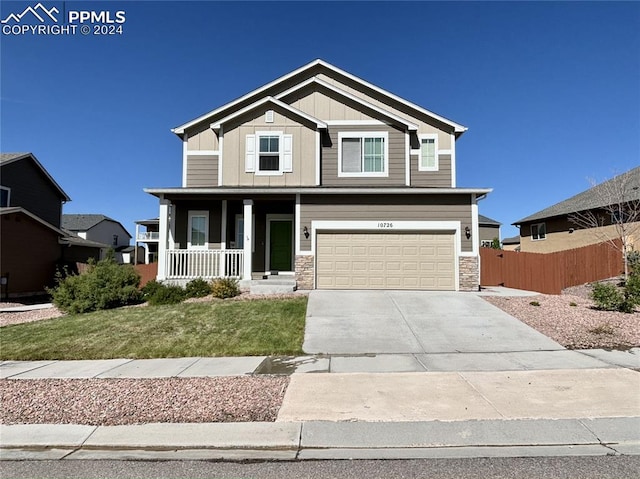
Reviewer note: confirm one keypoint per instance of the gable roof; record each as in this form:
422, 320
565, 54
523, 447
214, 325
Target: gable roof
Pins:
511, 240
84, 222
486, 221
308, 68
8, 158
19, 210
591, 198
274, 101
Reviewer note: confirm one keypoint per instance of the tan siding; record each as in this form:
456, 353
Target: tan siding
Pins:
304, 150
489, 232
397, 148
435, 179
321, 105
202, 170
385, 208
203, 138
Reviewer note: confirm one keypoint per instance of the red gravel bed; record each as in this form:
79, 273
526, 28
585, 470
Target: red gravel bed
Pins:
575, 327
109, 402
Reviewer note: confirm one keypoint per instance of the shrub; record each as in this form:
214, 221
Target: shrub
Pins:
166, 294
225, 288
607, 296
149, 289
632, 289
633, 260
198, 288
104, 285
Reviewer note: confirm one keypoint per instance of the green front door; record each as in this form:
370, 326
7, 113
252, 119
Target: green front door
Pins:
280, 235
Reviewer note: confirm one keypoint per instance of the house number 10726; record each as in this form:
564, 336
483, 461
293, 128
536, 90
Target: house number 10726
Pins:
385, 225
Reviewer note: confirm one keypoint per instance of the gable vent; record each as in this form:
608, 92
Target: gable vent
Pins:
268, 117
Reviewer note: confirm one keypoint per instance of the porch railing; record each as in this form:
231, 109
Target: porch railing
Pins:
148, 235
191, 264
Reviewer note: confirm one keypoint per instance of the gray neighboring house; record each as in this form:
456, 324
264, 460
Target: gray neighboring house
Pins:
99, 230
325, 178
489, 229
511, 244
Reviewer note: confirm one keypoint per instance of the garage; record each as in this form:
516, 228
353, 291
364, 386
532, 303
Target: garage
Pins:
384, 260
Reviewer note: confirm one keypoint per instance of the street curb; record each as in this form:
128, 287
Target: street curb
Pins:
324, 440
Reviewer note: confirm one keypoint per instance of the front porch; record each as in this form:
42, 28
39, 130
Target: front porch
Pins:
241, 238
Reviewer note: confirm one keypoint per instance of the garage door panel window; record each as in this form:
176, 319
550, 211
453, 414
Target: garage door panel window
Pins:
363, 154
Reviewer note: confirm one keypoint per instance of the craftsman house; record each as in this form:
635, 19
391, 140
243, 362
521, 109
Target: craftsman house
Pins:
324, 178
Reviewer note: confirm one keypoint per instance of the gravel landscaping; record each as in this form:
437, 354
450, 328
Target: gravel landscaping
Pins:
109, 402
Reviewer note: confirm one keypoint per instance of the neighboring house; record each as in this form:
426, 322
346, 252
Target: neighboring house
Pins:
102, 230
149, 239
327, 178
511, 244
30, 233
552, 230
489, 229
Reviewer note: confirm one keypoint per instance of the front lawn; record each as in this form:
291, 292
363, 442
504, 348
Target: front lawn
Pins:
218, 328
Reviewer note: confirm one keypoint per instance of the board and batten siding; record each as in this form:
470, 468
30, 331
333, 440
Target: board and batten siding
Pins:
327, 105
397, 158
202, 138
303, 146
202, 170
385, 208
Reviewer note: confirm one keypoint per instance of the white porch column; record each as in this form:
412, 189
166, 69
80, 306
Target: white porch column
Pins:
135, 245
223, 226
248, 239
163, 238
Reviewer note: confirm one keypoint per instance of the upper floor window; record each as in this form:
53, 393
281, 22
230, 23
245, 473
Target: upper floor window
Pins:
538, 231
269, 153
115, 240
4, 196
428, 153
363, 154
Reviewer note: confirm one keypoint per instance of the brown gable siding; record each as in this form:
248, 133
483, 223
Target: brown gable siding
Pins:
385, 208
202, 170
32, 190
329, 162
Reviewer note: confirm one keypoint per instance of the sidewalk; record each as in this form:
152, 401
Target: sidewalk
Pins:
535, 408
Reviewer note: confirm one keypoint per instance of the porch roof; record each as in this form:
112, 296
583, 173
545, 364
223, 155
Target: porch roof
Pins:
221, 190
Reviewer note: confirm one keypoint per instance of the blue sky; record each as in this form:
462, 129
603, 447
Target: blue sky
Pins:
550, 91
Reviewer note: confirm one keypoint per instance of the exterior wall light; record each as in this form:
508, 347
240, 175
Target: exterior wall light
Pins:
467, 232
305, 232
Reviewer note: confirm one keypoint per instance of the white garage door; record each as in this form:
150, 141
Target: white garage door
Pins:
385, 261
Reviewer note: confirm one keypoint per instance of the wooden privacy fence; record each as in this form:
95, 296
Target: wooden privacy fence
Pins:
147, 272
549, 273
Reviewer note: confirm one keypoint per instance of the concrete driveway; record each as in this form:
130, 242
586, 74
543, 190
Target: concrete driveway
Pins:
413, 322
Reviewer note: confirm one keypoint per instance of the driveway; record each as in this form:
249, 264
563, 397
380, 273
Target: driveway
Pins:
413, 322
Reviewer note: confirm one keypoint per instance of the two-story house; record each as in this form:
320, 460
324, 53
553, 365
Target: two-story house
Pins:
325, 177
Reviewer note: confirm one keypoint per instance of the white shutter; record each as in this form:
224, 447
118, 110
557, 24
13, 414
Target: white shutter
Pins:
250, 154
287, 153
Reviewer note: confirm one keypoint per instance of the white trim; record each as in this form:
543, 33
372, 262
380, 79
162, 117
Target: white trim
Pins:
368, 225
318, 147
371, 122
184, 160
453, 160
247, 210
221, 146
223, 225
444, 152
269, 99
179, 130
280, 170
191, 215
8, 195
364, 134
475, 225
203, 152
267, 251
312, 190
163, 228
240, 216
407, 159
296, 226
428, 136
356, 99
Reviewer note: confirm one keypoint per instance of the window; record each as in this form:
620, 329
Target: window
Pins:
115, 240
486, 243
198, 229
269, 153
363, 154
4, 196
538, 231
428, 153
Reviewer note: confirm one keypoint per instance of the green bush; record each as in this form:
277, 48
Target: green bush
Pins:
167, 294
149, 289
225, 288
198, 288
104, 285
607, 296
633, 260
